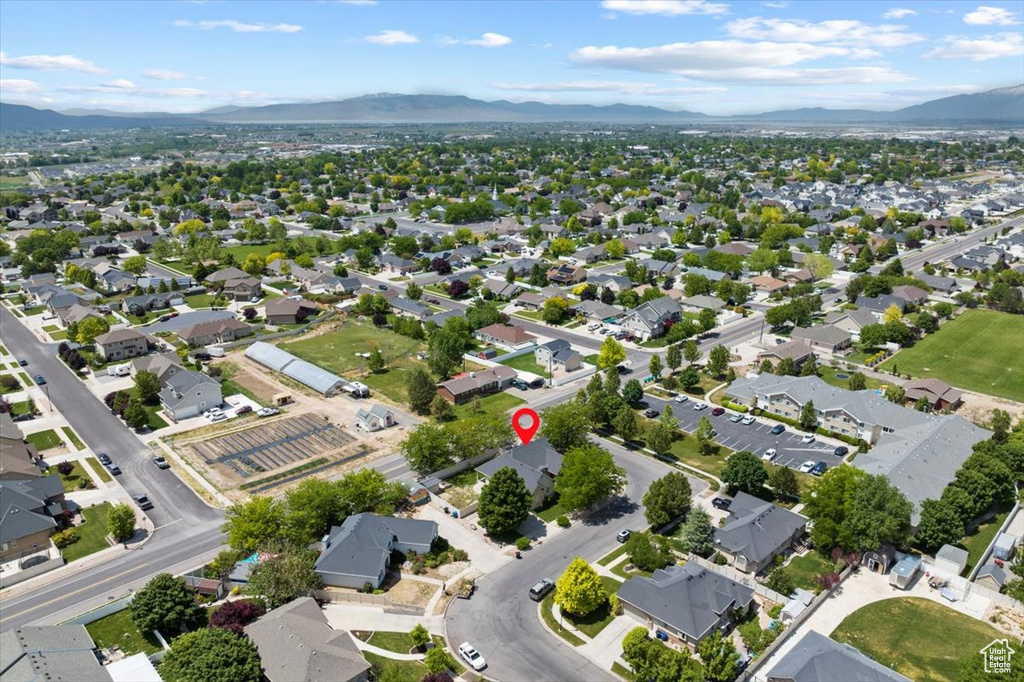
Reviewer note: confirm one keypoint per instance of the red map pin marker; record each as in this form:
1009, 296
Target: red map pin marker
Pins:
525, 423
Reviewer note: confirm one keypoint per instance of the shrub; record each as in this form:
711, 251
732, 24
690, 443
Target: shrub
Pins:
368, 587
720, 560
780, 581
614, 605
65, 468
459, 555
563, 521
775, 611
65, 538
522, 543
235, 615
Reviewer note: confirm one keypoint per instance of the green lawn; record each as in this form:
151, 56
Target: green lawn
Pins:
13, 181
612, 556
73, 437
395, 671
203, 301
496, 403
398, 642
978, 540
803, 569
71, 481
91, 534
861, 354
24, 379
685, 450
99, 470
597, 620
919, 638
979, 351
622, 671
828, 375
45, 440
17, 386
620, 570
243, 250
525, 363
336, 350
155, 420
546, 613
119, 630
551, 511
59, 335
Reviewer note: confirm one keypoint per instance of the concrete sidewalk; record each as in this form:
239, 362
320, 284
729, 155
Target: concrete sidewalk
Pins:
372, 618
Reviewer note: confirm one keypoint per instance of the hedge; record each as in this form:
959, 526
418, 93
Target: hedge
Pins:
726, 403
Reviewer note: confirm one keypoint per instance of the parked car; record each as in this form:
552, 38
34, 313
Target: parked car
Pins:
808, 438
143, 502
819, 469
651, 413
520, 384
841, 451
541, 589
721, 503
748, 420
244, 409
777, 429
770, 454
104, 458
736, 418
717, 411
623, 535
161, 463
22, 362
267, 411
210, 412
807, 466
201, 355
219, 417
40, 380
681, 398
382, 287
472, 656
114, 469
700, 406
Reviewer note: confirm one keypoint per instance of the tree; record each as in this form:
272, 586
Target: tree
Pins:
313, 506
648, 553
612, 354
504, 502
147, 387
441, 409
660, 437
744, 471
286, 574
565, 425
251, 523
555, 310
446, 348
235, 615
808, 416
625, 424
633, 393
579, 590
254, 264
457, 288
719, 656
830, 506
667, 498
420, 388
419, 636
705, 436
718, 360
879, 514
940, 524
857, 382
786, 367
1000, 423
783, 482
820, 265
691, 351
689, 377
135, 415
892, 314
164, 603
697, 534
438, 660
706, 320
211, 655
895, 394
762, 259
121, 522
674, 357
90, 328
589, 475
428, 449
654, 366
134, 264
376, 362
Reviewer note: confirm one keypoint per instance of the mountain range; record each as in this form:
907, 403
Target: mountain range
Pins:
1000, 106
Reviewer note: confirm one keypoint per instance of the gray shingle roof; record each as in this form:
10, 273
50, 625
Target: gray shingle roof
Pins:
360, 546
178, 386
530, 462
757, 529
816, 658
828, 334
50, 652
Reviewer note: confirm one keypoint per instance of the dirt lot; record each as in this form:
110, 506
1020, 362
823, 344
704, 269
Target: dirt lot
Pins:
978, 408
411, 591
260, 388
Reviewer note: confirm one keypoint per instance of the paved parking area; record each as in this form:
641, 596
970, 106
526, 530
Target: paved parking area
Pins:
756, 437
273, 445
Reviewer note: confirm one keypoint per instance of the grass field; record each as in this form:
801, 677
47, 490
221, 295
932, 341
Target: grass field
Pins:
119, 630
91, 534
98, 469
496, 403
919, 638
979, 351
243, 250
203, 301
71, 481
396, 671
44, 440
803, 569
13, 182
526, 363
73, 437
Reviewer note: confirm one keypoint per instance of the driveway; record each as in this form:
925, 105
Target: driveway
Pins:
756, 437
187, 320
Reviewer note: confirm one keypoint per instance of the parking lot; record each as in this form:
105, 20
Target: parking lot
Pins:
273, 445
756, 437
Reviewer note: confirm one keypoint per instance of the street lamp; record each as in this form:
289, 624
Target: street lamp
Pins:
48, 403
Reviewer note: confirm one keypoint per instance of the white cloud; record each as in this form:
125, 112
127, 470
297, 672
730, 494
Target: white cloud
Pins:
779, 4
361, 3
238, 26
898, 13
120, 85
988, 16
19, 86
163, 75
392, 37
486, 40
668, 8
979, 49
624, 87
839, 31
46, 62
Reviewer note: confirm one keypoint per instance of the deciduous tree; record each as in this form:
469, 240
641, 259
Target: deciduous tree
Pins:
165, 603
612, 354
420, 388
504, 502
252, 523
580, 591
565, 426
121, 522
940, 525
211, 655
667, 498
744, 471
285, 574
589, 475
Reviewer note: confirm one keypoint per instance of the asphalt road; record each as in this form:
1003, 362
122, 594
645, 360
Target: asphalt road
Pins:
503, 623
185, 524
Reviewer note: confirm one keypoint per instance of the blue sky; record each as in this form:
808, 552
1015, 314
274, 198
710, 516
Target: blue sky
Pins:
718, 57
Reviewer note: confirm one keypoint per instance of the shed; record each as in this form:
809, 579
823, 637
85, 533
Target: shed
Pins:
1004, 546
280, 399
950, 561
798, 603
991, 576
904, 572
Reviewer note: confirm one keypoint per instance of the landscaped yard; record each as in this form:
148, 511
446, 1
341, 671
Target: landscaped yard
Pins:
71, 482
44, 440
592, 623
496, 403
978, 540
526, 363
398, 642
685, 450
155, 420
919, 638
551, 510
803, 569
91, 534
979, 351
119, 630
242, 250
395, 671
828, 375
203, 301
23, 407
73, 437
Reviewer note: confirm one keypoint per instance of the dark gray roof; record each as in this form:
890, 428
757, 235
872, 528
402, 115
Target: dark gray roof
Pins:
861, 316
179, 384
530, 461
50, 652
296, 644
993, 571
816, 658
757, 529
689, 598
361, 545
822, 334
881, 303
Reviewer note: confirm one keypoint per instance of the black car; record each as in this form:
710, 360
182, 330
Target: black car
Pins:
520, 384
382, 287
651, 413
819, 469
842, 451
22, 362
40, 380
104, 458
721, 503
143, 502
778, 428
205, 357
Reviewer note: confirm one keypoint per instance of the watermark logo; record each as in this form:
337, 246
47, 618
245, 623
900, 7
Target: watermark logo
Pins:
997, 656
